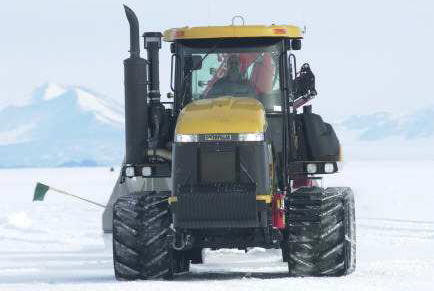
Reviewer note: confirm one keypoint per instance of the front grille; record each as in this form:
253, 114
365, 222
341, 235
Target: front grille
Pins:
217, 188
218, 166
217, 205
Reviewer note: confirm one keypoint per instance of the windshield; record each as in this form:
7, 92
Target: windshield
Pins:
236, 71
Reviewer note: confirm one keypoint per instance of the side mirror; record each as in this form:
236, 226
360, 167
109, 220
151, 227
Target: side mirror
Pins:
296, 44
212, 71
304, 83
193, 63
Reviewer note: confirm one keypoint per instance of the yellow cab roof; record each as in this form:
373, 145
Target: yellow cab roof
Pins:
233, 31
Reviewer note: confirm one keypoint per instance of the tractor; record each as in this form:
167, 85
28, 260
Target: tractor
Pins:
232, 158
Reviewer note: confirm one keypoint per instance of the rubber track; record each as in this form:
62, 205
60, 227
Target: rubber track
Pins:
141, 223
319, 223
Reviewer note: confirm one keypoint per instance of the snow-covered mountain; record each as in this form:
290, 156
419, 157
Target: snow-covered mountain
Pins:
381, 125
62, 125
384, 135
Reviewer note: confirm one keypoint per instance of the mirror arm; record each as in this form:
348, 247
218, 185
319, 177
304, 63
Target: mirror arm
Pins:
172, 87
291, 68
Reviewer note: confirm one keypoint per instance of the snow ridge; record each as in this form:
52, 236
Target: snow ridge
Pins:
53, 90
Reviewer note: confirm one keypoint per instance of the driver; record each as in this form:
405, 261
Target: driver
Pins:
232, 83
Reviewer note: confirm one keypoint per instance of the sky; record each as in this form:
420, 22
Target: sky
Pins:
367, 55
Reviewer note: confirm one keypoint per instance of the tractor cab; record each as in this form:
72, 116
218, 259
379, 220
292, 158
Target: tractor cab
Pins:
237, 61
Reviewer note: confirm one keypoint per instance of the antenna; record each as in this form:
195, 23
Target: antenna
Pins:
238, 17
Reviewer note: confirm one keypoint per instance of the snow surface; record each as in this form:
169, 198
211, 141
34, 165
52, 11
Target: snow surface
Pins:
58, 244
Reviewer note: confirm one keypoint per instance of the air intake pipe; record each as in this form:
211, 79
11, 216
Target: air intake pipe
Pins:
152, 43
136, 107
157, 116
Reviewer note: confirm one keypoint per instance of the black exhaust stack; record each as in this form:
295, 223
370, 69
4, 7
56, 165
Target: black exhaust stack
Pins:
136, 107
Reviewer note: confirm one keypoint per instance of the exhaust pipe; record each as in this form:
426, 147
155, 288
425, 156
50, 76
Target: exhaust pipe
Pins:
134, 32
136, 107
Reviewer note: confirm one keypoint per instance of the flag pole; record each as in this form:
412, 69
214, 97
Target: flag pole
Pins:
41, 189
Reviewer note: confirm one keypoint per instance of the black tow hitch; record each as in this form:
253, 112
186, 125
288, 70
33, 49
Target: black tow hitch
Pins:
180, 241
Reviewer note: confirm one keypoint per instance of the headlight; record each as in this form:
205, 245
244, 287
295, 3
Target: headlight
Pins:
329, 168
251, 136
186, 138
146, 171
129, 171
311, 168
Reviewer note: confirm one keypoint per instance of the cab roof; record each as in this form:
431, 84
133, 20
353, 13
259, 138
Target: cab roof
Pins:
233, 31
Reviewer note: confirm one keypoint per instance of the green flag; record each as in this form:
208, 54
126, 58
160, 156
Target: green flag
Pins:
40, 191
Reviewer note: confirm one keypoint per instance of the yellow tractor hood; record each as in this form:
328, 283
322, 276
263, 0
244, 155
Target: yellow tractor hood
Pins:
222, 115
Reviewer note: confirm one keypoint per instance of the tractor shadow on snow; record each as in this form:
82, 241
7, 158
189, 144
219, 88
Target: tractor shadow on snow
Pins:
229, 276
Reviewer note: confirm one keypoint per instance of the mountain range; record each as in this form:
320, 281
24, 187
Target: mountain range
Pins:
62, 126
74, 126
388, 136
382, 125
